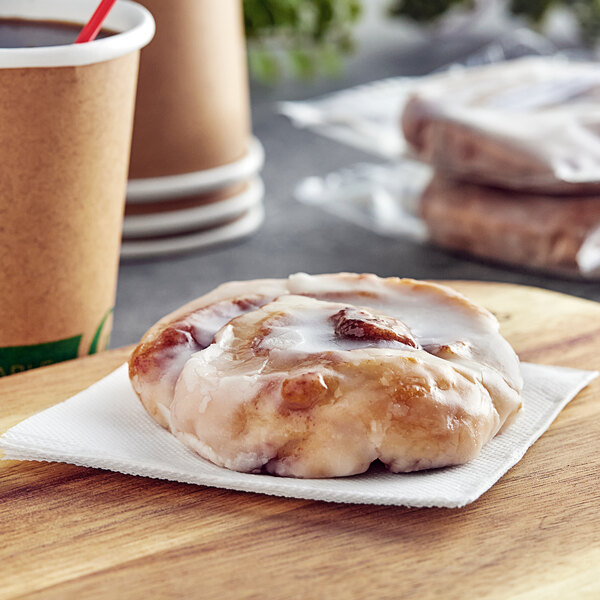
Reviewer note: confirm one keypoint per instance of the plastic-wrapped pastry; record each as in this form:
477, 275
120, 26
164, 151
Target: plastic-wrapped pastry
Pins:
319, 376
528, 124
545, 232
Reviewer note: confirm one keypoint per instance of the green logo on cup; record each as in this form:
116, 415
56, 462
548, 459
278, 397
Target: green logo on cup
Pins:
96, 338
22, 358
16, 359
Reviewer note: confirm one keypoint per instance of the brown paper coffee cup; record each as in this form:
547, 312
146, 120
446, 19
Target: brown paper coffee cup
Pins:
185, 202
193, 109
66, 115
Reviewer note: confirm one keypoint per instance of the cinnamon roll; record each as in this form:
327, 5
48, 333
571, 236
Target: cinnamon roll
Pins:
320, 376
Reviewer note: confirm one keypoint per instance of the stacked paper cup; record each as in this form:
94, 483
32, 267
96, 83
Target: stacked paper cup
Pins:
193, 180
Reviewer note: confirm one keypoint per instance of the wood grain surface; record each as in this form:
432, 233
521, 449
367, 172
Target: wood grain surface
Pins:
71, 532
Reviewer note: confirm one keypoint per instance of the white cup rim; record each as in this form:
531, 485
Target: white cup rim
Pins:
172, 187
133, 23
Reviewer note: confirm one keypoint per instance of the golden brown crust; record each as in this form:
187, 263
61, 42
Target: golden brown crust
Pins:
511, 227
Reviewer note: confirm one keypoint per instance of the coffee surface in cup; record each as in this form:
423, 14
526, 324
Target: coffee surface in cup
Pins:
24, 33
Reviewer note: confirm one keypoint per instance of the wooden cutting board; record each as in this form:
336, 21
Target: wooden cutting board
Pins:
71, 532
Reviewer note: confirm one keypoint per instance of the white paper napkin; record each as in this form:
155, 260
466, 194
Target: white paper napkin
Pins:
106, 427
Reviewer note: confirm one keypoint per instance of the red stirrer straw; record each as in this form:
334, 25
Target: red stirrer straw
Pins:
94, 25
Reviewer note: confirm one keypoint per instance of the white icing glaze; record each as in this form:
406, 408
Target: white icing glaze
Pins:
284, 389
307, 329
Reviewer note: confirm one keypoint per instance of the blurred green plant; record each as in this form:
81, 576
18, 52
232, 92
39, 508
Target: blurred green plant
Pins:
423, 11
587, 12
534, 10
304, 37
307, 38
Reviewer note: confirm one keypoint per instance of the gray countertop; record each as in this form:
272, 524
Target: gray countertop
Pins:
300, 238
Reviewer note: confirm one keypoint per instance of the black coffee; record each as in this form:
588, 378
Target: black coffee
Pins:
21, 33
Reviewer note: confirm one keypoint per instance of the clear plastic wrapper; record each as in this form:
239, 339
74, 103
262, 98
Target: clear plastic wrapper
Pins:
545, 146
530, 124
554, 235
368, 116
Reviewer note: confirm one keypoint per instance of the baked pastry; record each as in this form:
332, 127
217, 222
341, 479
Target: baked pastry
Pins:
529, 124
319, 376
522, 229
